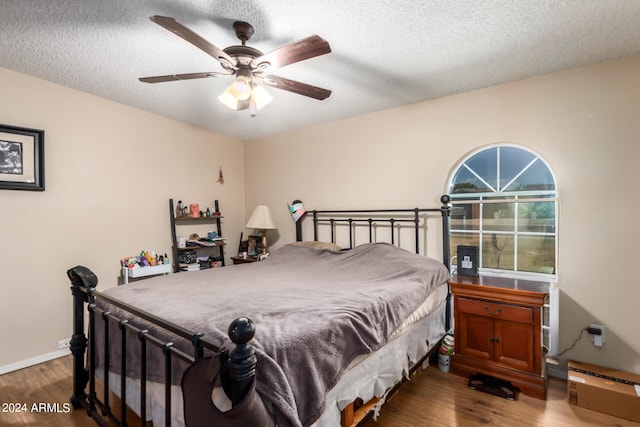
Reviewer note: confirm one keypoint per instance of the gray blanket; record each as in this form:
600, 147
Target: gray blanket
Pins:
314, 310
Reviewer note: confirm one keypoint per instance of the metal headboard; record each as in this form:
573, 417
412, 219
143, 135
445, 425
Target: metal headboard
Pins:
372, 217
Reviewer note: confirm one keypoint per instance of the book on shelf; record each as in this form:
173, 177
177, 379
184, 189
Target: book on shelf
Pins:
207, 242
189, 267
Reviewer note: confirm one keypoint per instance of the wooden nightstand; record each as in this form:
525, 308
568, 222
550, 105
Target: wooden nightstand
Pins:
498, 330
240, 260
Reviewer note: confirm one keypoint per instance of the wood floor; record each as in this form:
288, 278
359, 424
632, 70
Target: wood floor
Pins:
435, 398
431, 398
47, 383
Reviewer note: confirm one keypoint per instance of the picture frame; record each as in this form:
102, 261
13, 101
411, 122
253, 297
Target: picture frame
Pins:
21, 158
254, 245
467, 260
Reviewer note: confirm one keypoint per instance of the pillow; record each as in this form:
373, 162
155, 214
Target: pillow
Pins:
318, 245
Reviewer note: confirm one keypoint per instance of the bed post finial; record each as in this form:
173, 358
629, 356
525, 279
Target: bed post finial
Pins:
445, 199
296, 209
446, 250
82, 281
242, 359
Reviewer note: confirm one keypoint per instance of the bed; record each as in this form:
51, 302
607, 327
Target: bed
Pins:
315, 330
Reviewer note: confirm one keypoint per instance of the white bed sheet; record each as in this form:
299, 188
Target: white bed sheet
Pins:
378, 372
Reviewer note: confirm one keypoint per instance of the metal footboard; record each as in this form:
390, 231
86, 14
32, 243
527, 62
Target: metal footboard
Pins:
241, 362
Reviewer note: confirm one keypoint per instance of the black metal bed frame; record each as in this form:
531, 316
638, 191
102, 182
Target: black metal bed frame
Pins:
241, 360
393, 217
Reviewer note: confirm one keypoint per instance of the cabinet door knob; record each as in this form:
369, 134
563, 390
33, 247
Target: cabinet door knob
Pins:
494, 339
498, 311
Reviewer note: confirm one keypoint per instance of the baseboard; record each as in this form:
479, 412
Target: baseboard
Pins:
33, 361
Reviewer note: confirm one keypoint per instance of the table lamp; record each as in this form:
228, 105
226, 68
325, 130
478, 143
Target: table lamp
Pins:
262, 220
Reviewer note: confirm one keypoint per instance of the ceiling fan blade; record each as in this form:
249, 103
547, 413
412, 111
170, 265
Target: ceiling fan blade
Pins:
306, 48
174, 77
180, 30
296, 87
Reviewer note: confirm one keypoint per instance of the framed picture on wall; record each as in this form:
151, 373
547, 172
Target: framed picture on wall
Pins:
21, 158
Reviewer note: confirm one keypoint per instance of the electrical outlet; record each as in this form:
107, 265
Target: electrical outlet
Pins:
66, 343
552, 361
597, 340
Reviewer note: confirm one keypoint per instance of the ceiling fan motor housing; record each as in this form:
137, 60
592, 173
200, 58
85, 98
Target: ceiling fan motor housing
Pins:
243, 30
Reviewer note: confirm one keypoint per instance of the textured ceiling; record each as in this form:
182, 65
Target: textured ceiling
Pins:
385, 53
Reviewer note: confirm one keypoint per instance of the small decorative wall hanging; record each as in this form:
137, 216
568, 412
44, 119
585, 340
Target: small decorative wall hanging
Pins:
220, 176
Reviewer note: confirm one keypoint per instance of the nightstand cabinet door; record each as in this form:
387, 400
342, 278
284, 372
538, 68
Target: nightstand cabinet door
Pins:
514, 344
474, 336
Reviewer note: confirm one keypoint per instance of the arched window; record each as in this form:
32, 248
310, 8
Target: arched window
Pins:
505, 202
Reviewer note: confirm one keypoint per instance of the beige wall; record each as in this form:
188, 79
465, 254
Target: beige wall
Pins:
584, 122
110, 171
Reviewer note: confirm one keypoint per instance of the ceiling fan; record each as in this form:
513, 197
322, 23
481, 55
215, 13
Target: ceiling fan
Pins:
250, 67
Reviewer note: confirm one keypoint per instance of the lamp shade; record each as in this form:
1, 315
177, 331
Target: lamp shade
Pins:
261, 218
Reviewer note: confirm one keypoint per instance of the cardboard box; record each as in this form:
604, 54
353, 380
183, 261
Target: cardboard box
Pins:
604, 390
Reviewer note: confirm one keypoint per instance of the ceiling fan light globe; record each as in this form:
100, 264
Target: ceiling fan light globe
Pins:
260, 97
240, 88
228, 99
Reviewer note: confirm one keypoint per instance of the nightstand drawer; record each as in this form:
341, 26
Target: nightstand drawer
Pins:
495, 310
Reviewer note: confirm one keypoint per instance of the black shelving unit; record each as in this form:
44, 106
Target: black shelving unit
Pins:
188, 220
